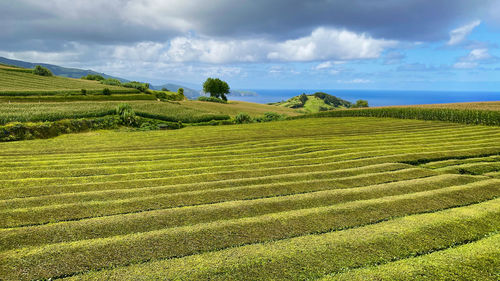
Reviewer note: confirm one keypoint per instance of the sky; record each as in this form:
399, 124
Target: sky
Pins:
262, 44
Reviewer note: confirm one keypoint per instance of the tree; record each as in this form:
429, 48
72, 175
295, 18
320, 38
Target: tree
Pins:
361, 103
165, 89
180, 91
303, 98
216, 87
42, 71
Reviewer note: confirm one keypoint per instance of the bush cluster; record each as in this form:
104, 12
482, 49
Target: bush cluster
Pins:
26, 131
42, 71
95, 77
212, 99
137, 85
111, 82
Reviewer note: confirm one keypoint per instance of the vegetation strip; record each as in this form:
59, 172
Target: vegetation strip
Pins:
46, 214
479, 260
313, 256
158, 219
180, 242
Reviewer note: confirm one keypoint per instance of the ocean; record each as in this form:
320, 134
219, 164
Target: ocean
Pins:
376, 97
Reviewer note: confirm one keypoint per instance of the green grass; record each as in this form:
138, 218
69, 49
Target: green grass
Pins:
312, 256
292, 200
473, 261
19, 83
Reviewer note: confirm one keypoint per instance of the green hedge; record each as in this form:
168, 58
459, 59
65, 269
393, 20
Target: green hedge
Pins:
477, 117
26, 131
190, 119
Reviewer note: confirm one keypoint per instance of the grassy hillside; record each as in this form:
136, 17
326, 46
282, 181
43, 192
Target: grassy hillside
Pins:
20, 81
314, 103
291, 200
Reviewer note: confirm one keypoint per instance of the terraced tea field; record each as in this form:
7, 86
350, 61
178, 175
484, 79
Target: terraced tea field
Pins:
321, 198
17, 81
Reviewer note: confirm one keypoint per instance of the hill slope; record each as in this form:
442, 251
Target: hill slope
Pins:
291, 200
315, 103
21, 81
57, 70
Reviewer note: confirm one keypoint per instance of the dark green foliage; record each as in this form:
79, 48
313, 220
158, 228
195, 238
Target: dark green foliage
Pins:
84, 92
303, 98
242, 118
164, 89
477, 117
216, 87
95, 77
180, 91
150, 125
361, 103
126, 114
42, 71
26, 131
137, 85
106, 92
332, 100
161, 95
112, 82
270, 116
212, 99
190, 119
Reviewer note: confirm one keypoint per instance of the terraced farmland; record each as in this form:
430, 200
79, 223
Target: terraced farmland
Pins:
319, 198
19, 81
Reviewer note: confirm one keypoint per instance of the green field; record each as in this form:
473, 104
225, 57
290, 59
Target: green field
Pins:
334, 198
18, 82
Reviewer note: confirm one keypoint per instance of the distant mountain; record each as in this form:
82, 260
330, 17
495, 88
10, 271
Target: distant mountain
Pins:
315, 102
58, 70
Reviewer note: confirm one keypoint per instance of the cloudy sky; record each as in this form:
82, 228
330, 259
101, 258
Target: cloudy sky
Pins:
256, 44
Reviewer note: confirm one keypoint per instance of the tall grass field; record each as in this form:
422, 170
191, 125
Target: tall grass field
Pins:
352, 198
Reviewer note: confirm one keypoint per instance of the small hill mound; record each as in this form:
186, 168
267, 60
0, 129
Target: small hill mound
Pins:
315, 102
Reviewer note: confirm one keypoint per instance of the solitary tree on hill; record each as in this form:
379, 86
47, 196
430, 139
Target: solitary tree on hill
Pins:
216, 87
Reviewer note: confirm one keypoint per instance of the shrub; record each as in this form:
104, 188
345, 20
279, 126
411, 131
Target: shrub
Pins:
42, 71
106, 91
180, 91
94, 77
137, 85
270, 116
112, 82
361, 103
242, 118
161, 95
126, 114
165, 89
211, 99
84, 92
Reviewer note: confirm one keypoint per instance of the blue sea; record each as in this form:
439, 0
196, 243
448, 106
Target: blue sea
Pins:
376, 97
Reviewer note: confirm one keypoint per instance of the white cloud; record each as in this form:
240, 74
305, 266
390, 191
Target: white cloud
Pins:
327, 64
327, 44
458, 35
479, 54
474, 58
322, 44
465, 65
